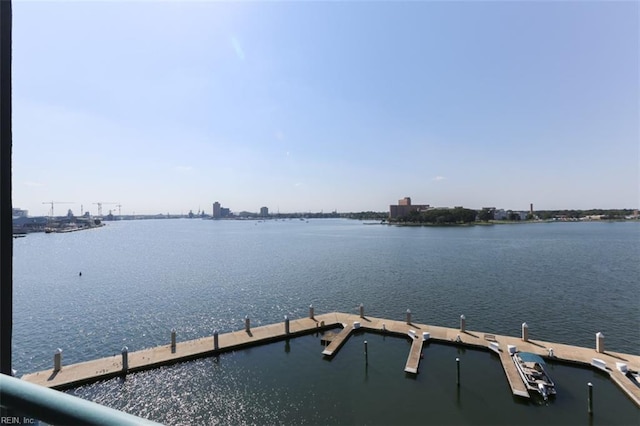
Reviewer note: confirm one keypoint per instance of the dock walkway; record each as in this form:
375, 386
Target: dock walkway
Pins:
104, 368
337, 341
515, 381
414, 355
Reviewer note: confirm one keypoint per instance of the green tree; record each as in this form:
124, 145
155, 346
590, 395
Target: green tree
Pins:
486, 215
513, 216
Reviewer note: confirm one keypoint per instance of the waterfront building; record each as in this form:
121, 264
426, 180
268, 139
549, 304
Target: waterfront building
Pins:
264, 211
15, 213
500, 214
487, 213
404, 208
216, 210
29, 224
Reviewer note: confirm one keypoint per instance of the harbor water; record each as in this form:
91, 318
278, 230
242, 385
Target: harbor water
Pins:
140, 279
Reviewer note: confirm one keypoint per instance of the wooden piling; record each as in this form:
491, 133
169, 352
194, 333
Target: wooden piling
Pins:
599, 342
57, 360
125, 359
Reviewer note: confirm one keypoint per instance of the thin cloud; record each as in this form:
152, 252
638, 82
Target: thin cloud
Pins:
237, 48
439, 178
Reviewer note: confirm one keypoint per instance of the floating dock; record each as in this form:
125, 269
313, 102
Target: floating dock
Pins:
68, 376
337, 341
414, 355
515, 381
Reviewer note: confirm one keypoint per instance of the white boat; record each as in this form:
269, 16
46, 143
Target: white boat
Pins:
531, 369
635, 376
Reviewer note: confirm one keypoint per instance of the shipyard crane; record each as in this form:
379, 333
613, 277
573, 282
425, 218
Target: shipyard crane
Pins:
55, 202
100, 203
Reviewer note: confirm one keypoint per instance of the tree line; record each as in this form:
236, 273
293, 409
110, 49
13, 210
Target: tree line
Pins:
460, 215
577, 214
457, 215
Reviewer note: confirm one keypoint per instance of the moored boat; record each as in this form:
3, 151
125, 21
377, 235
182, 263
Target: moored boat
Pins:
531, 369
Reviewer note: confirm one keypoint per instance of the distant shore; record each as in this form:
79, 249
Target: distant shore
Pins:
503, 222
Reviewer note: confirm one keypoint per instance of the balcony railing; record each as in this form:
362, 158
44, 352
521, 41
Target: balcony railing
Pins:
51, 406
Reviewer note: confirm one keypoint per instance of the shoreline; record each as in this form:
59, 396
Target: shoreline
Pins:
505, 222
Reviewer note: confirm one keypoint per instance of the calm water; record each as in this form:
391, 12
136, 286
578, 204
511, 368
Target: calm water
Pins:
142, 278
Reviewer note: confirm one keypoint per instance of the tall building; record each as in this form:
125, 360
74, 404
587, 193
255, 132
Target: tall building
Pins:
264, 211
216, 210
404, 207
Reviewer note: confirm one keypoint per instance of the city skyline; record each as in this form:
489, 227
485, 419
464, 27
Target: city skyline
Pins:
263, 211
167, 107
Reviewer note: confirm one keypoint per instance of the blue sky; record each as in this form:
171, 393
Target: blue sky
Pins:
310, 106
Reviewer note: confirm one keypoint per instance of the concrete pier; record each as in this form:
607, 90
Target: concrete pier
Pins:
104, 368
